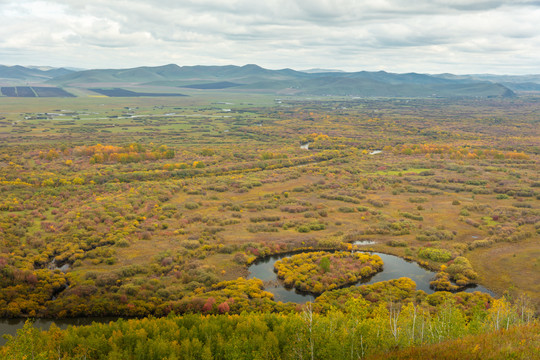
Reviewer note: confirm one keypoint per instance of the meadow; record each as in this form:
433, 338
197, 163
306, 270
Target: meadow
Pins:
148, 206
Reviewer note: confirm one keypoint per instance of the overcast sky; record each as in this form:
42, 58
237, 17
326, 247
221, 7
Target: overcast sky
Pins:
436, 36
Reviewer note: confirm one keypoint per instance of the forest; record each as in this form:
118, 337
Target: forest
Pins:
356, 333
152, 210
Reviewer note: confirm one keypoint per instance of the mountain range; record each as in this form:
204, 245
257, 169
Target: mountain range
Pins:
253, 78
31, 73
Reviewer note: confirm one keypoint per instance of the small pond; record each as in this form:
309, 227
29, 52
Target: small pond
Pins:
394, 268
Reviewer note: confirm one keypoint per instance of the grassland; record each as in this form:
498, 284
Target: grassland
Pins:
182, 193
510, 266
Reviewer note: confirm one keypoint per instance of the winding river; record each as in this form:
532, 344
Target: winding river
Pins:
394, 268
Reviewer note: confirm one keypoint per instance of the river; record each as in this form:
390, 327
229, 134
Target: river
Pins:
394, 268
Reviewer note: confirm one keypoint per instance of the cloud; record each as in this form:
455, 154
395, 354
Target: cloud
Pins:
394, 35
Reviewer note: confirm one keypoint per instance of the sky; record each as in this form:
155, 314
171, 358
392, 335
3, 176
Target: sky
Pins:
436, 36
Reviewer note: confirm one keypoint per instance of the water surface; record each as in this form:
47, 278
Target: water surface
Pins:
394, 268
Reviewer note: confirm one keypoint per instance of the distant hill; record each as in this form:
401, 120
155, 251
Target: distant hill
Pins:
253, 78
317, 70
516, 79
19, 73
171, 74
285, 81
519, 83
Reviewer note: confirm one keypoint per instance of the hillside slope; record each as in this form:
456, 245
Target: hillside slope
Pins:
519, 342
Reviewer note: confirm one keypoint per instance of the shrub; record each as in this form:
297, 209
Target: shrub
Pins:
261, 228
190, 205
264, 218
439, 255
376, 203
433, 234
412, 216
123, 243
480, 243
396, 243
522, 205
240, 258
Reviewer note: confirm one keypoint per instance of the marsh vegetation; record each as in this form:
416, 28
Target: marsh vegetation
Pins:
148, 206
